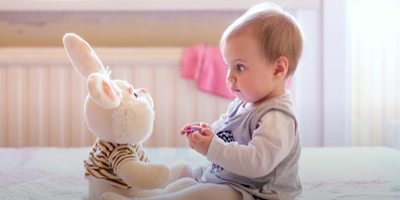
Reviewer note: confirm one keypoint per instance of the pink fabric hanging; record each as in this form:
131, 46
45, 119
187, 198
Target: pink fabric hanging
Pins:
205, 65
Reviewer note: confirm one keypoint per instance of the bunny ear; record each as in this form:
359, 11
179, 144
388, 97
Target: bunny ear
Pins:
103, 90
81, 55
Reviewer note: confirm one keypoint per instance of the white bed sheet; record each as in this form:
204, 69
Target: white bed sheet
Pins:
326, 173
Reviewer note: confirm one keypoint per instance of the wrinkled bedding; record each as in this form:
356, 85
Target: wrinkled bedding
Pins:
326, 173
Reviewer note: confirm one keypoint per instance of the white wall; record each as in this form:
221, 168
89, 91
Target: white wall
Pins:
307, 80
322, 84
336, 75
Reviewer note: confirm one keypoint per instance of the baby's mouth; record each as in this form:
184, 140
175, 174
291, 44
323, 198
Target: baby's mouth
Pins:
232, 87
235, 89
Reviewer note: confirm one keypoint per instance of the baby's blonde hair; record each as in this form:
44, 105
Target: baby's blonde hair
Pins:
276, 30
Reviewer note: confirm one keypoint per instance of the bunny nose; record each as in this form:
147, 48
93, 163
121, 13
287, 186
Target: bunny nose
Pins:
143, 90
130, 90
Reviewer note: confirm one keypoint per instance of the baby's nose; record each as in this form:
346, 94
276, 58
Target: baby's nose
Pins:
229, 76
230, 81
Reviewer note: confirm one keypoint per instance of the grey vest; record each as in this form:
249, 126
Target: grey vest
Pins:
281, 183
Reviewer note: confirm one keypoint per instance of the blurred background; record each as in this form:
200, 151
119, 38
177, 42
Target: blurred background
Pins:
346, 88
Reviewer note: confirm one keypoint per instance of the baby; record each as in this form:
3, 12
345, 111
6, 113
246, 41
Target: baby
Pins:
254, 147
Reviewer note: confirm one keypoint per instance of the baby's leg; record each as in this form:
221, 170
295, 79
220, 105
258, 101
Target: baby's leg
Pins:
179, 170
201, 191
198, 191
180, 184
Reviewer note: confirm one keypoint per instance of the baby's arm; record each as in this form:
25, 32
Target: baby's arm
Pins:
270, 144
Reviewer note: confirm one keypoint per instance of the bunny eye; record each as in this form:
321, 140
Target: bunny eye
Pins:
134, 94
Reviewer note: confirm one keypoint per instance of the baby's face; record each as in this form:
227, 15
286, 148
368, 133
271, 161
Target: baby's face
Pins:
250, 75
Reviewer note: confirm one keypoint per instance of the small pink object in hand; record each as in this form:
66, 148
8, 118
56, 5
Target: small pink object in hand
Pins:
190, 129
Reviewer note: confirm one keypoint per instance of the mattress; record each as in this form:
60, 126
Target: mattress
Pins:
326, 173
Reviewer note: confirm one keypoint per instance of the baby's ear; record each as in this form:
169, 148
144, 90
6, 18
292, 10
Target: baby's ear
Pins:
81, 55
103, 90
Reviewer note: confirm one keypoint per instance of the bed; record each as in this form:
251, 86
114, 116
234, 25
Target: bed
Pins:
326, 173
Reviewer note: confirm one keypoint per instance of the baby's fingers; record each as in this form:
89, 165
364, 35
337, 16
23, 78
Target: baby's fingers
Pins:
204, 125
187, 127
199, 136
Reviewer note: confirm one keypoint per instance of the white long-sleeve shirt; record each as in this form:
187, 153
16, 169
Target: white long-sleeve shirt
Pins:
256, 150
271, 142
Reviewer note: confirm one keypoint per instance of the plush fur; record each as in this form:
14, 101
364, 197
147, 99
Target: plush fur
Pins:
119, 115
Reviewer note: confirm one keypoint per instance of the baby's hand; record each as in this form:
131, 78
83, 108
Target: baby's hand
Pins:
191, 128
199, 136
200, 140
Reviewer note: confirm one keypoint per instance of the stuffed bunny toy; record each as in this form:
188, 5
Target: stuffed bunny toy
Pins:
122, 119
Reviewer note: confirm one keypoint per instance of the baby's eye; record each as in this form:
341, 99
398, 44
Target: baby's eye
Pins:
240, 67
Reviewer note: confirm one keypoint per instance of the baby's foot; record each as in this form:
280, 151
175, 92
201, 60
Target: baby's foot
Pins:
112, 196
